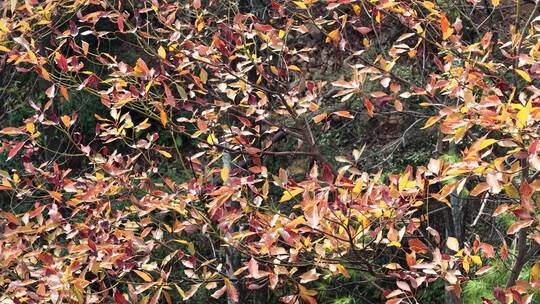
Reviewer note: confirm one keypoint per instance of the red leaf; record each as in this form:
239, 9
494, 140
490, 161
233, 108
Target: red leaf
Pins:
504, 251
327, 174
119, 298
120, 23
46, 258
15, 149
197, 4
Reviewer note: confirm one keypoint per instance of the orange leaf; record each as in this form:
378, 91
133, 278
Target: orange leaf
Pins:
334, 36
317, 119
66, 120
345, 114
445, 27
163, 117
369, 107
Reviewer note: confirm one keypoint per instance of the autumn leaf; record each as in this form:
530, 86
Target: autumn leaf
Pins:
523, 115
300, 4
13, 151
309, 276
445, 27
211, 139
535, 272
232, 293
452, 243
224, 173
253, 268
161, 52
334, 36
146, 277
289, 194
431, 121
524, 75
369, 107
320, 117
165, 153
517, 226
163, 117
345, 114
66, 120
192, 290
119, 297
11, 131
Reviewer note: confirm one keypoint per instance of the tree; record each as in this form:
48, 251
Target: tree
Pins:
226, 98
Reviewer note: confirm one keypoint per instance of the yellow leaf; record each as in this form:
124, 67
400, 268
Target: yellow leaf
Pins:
203, 76
341, 269
6, 183
524, 75
294, 68
225, 173
356, 9
300, 4
484, 143
30, 127
495, 2
357, 187
477, 260
431, 121
165, 153
163, 117
523, 115
289, 194
161, 53
452, 243
274, 70
146, 277
535, 271
211, 139
394, 244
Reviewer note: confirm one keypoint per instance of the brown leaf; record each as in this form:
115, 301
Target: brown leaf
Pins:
309, 276
517, 226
